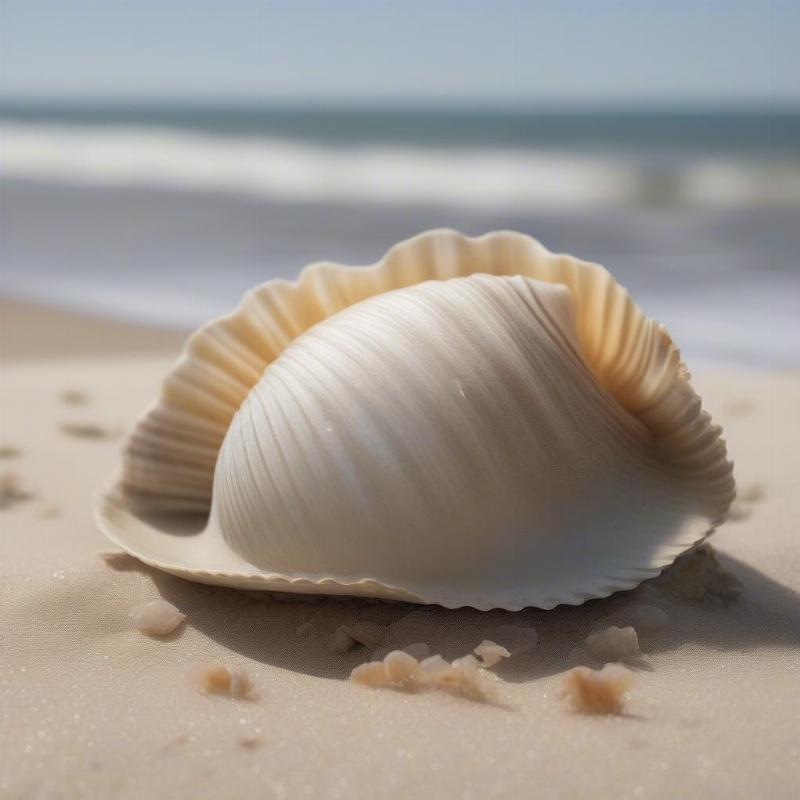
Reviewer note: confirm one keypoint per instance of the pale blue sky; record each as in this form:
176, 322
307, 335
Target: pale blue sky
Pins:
604, 52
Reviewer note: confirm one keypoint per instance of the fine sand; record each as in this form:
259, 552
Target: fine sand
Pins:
90, 707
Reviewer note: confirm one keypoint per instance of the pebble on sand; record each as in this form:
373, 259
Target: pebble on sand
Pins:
590, 691
233, 683
464, 676
614, 644
364, 633
491, 653
156, 617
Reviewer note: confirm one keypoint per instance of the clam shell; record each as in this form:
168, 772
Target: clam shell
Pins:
467, 422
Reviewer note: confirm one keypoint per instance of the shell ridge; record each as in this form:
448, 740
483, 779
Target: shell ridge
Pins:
629, 357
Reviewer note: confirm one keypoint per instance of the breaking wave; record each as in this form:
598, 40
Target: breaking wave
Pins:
306, 172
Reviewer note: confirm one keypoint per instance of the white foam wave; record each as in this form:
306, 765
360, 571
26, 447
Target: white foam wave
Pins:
303, 172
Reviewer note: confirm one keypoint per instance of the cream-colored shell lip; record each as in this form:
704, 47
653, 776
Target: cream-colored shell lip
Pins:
155, 505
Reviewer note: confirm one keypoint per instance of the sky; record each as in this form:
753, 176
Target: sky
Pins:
377, 52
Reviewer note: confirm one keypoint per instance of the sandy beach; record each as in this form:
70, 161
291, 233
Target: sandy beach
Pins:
100, 710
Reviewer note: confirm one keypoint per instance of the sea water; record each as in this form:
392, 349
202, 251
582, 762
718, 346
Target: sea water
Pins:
167, 214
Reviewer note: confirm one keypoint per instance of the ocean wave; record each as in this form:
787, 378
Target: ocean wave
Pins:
302, 172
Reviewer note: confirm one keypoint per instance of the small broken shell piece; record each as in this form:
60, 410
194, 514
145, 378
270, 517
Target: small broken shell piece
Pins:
491, 653
400, 667
464, 677
373, 673
601, 691
367, 634
432, 668
613, 644
233, 683
468, 664
156, 617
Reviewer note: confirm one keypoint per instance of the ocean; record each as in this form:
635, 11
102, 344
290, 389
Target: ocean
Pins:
166, 214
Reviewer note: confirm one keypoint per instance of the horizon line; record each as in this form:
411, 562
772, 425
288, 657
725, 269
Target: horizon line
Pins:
427, 105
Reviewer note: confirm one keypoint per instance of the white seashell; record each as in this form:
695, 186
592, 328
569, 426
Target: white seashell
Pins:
468, 422
467, 664
400, 670
400, 666
368, 634
373, 673
234, 683
433, 667
156, 617
491, 653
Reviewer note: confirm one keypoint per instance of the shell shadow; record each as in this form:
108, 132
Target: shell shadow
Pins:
700, 604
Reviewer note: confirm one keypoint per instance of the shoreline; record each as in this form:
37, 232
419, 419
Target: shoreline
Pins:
723, 282
35, 331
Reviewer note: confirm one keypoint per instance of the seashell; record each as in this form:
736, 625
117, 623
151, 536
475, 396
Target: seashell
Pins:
400, 666
602, 691
467, 422
365, 633
234, 683
491, 653
156, 617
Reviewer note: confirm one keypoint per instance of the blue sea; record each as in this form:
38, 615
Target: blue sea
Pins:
166, 213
